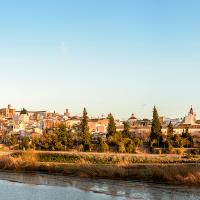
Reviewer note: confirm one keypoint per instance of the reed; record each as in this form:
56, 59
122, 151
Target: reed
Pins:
179, 174
109, 159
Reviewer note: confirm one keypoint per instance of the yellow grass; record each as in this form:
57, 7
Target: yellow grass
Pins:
172, 174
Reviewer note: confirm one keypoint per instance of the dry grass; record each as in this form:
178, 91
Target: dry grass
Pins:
173, 174
26, 162
176, 174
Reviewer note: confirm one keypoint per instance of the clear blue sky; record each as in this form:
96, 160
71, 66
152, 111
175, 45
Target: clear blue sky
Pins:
106, 55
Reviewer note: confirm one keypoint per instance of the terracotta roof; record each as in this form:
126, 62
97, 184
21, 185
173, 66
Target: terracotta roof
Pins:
132, 118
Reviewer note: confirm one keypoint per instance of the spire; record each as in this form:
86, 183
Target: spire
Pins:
191, 110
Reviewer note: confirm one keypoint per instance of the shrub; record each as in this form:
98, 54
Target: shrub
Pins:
121, 147
58, 146
137, 142
109, 159
180, 151
195, 151
129, 148
80, 147
159, 151
46, 145
170, 148
104, 147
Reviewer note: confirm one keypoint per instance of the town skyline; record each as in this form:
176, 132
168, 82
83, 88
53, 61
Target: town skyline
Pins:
102, 115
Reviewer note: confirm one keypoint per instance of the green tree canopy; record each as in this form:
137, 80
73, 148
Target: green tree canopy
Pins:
87, 138
13, 140
126, 131
23, 111
84, 122
170, 130
111, 130
137, 142
186, 133
156, 126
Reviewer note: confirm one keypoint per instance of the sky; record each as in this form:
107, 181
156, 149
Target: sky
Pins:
118, 56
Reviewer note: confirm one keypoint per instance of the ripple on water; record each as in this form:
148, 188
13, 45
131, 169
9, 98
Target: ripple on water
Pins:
44, 186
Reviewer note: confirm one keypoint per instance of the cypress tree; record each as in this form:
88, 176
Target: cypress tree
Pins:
156, 127
87, 138
170, 130
126, 131
13, 140
111, 130
186, 133
84, 122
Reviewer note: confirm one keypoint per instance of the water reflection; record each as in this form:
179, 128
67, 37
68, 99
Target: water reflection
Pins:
40, 186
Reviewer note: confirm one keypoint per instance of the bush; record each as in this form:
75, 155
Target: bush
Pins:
195, 151
180, 151
46, 145
104, 147
129, 148
170, 148
134, 148
159, 151
109, 159
137, 142
190, 156
58, 146
80, 147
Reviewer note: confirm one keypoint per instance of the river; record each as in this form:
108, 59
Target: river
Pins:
33, 186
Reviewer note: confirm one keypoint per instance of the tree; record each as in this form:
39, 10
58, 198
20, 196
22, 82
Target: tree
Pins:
137, 142
126, 131
126, 141
179, 141
58, 146
36, 141
13, 140
156, 132
170, 131
80, 147
87, 138
111, 130
117, 137
23, 111
129, 148
186, 134
104, 147
84, 122
25, 141
170, 148
121, 147
70, 140
99, 140
46, 145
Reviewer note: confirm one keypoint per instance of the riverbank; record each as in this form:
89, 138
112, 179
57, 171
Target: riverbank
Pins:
179, 174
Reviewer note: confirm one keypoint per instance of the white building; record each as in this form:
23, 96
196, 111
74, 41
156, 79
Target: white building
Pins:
21, 117
191, 118
132, 118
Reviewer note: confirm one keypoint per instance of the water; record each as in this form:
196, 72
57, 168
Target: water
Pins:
33, 186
